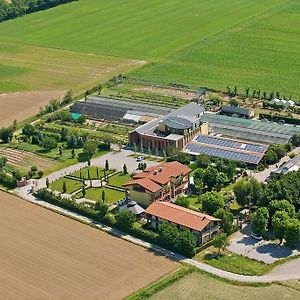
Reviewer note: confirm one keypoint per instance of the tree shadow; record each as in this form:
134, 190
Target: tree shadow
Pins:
275, 251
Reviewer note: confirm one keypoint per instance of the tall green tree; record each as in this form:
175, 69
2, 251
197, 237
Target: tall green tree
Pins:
106, 165
64, 187
227, 219
211, 202
279, 224
221, 242
125, 220
292, 233
259, 221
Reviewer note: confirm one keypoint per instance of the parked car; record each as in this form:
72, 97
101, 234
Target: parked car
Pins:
140, 158
256, 236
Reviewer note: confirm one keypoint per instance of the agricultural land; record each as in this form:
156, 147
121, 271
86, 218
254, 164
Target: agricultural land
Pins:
44, 255
254, 44
196, 285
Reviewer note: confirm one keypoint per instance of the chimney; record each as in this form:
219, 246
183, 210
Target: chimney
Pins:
203, 218
160, 169
154, 172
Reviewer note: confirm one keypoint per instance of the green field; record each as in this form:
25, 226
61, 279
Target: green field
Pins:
263, 52
202, 43
232, 262
25, 68
200, 286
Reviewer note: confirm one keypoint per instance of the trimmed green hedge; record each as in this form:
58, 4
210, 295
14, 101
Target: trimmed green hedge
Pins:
273, 118
7, 181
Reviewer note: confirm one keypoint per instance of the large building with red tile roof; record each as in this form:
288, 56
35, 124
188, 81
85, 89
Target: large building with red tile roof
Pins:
164, 182
203, 226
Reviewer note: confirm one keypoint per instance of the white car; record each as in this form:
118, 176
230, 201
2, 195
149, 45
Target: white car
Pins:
140, 158
256, 236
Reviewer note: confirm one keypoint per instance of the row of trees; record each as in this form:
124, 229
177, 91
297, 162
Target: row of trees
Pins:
279, 187
17, 8
274, 154
256, 93
284, 222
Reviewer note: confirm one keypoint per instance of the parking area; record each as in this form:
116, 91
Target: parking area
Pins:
242, 243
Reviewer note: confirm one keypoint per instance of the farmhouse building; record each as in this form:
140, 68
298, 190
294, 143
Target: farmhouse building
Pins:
203, 226
163, 182
174, 130
282, 102
237, 111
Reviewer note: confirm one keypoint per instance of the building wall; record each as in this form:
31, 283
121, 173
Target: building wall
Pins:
143, 199
202, 237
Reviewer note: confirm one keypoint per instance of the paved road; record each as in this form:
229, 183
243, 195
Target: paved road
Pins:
242, 243
281, 274
116, 161
263, 175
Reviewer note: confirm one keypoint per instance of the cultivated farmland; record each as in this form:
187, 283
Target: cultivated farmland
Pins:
24, 160
263, 52
29, 68
202, 43
200, 286
21, 105
44, 255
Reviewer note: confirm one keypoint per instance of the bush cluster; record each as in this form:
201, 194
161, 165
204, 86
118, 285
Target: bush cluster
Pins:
19, 8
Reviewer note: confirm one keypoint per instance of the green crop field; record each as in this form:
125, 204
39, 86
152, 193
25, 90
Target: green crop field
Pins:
203, 43
261, 53
25, 67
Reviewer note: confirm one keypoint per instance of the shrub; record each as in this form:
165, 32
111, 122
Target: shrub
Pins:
7, 181
125, 220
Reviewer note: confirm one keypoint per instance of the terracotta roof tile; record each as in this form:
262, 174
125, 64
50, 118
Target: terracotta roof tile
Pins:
164, 172
146, 183
180, 215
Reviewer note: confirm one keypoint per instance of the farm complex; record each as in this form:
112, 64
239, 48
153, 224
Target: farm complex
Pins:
144, 144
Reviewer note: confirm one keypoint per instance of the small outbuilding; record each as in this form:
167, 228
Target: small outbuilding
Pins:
238, 111
133, 207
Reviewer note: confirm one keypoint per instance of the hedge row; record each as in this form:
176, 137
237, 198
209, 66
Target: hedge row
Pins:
286, 119
7, 181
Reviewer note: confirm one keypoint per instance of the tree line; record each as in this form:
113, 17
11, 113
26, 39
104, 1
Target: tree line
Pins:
18, 8
277, 203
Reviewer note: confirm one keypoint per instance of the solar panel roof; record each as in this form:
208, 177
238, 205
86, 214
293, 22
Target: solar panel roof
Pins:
196, 149
229, 143
226, 148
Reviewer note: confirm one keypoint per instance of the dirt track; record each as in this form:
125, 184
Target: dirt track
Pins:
21, 105
44, 255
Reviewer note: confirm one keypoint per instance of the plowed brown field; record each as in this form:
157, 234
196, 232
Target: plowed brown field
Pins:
47, 256
22, 105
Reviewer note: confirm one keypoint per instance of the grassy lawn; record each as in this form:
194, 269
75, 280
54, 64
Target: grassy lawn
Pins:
72, 185
232, 262
93, 172
194, 202
119, 179
230, 187
96, 194
192, 284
